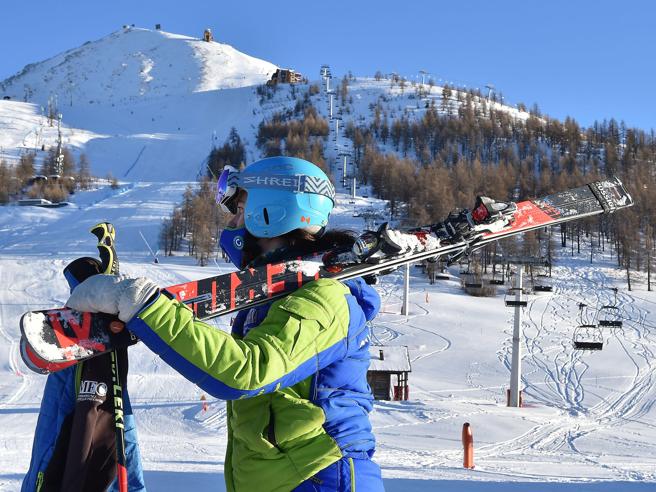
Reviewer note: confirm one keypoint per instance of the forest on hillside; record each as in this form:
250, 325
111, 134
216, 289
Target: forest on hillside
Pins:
426, 167
433, 164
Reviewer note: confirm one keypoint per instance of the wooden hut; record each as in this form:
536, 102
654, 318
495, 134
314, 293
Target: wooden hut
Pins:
388, 372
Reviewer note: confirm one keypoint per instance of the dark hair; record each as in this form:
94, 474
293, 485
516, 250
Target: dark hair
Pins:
306, 243
300, 243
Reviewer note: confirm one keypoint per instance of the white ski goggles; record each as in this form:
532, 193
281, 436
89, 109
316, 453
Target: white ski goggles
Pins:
231, 179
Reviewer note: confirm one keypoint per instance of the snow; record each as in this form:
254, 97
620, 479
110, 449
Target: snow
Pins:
393, 358
589, 420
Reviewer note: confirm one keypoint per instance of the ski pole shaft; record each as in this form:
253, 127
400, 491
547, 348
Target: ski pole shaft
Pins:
106, 234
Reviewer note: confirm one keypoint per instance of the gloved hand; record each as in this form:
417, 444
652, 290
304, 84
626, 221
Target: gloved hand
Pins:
112, 294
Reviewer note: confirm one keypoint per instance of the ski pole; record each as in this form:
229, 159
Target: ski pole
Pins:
106, 233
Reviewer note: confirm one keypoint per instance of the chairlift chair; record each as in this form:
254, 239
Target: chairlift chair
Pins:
510, 301
469, 279
609, 317
496, 281
543, 283
588, 337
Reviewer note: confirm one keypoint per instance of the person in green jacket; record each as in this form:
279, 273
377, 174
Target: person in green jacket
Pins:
294, 371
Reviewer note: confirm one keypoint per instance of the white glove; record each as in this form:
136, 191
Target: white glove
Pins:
112, 294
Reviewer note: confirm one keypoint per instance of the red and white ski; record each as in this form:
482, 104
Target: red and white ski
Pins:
60, 336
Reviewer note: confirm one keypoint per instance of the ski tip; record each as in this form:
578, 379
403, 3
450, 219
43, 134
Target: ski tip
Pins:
29, 319
38, 365
611, 194
31, 364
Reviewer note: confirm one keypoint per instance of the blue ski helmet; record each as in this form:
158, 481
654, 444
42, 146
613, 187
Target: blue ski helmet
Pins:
284, 194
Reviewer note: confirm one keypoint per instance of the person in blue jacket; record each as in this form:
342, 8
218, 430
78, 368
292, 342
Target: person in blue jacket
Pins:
294, 372
74, 446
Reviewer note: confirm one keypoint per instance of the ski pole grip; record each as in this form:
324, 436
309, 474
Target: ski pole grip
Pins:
106, 233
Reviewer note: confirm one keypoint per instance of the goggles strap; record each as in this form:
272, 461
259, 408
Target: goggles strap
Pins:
296, 184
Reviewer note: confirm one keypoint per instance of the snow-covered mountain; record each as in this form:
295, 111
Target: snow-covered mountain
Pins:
148, 105
142, 104
136, 64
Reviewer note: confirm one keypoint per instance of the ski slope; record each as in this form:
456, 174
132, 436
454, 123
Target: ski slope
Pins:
588, 423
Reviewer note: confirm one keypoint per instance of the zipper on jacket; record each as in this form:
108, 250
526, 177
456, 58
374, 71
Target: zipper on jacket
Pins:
352, 469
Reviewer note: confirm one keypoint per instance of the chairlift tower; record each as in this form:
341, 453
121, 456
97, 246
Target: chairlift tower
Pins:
330, 103
325, 75
59, 161
518, 303
344, 155
516, 367
423, 74
405, 311
490, 89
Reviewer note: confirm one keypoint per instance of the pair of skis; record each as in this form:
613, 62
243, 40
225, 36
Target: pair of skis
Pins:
61, 337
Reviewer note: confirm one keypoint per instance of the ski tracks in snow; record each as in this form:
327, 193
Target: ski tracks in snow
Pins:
548, 329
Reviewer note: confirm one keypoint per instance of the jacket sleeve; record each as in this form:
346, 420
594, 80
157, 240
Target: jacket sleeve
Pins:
301, 334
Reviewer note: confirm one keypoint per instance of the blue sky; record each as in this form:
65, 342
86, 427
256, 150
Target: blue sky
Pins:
586, 59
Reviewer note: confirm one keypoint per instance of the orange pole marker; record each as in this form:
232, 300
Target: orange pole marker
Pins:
468, 446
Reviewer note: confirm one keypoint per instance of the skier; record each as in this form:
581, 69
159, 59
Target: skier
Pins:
74, 446
294, 372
